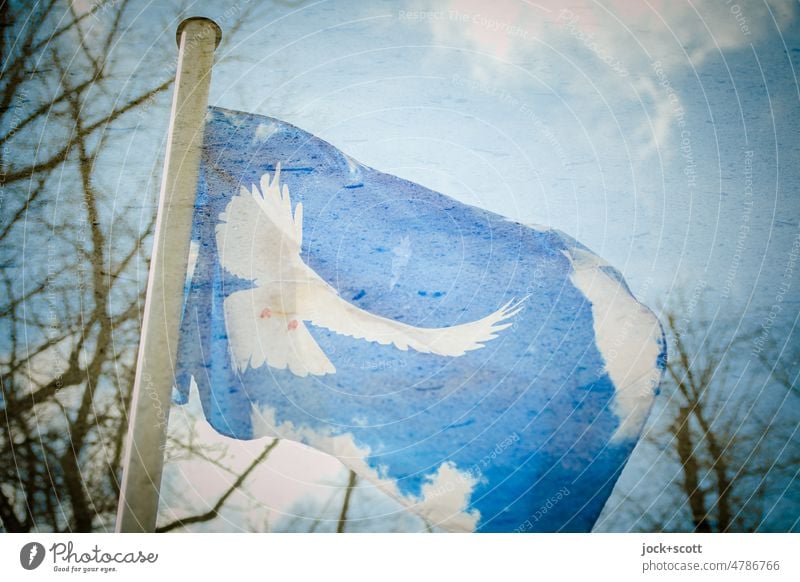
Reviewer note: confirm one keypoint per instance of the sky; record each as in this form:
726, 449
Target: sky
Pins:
517, 109
662, 135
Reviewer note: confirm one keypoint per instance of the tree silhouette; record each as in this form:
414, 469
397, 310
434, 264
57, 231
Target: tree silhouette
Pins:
73, 264
720, 431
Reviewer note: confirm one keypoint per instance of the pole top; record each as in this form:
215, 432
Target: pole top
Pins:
201, 20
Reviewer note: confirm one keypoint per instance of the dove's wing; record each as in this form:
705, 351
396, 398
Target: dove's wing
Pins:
257, 235
330, 311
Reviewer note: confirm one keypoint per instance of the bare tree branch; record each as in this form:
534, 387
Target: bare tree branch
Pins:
351, 484
215, 509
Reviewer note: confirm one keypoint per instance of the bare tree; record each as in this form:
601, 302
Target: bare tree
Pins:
73, 264
722, 446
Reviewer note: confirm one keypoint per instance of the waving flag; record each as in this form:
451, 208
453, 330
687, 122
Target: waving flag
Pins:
489, 375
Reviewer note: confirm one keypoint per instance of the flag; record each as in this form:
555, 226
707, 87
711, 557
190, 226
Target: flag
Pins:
489, 375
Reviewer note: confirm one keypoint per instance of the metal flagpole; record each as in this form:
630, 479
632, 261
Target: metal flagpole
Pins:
155, 368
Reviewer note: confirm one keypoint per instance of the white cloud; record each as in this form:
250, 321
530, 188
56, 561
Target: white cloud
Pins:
611, 46
444, 497
628, 337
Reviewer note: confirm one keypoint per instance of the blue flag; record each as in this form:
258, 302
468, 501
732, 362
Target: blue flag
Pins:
489, 375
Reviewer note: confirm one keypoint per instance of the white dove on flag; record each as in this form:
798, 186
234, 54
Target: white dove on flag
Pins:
259, 239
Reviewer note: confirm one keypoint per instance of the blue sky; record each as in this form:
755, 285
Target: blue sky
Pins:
562, 118
625, 125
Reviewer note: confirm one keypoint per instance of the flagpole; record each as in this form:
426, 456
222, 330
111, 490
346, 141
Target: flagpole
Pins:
155, 368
